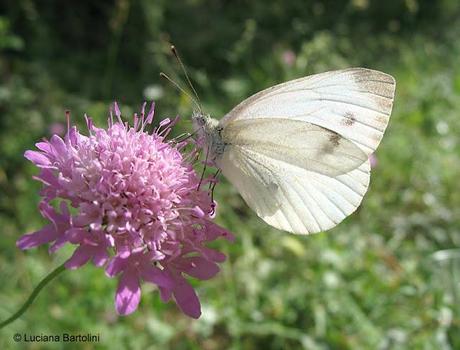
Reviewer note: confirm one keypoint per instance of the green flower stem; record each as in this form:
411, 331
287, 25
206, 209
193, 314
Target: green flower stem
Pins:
34, 294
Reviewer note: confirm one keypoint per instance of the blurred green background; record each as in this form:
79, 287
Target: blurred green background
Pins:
386, 278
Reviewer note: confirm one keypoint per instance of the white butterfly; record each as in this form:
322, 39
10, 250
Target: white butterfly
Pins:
298, 152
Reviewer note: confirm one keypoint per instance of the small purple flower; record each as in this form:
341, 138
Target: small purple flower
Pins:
289, 58
373, 160
129, 201
57, 128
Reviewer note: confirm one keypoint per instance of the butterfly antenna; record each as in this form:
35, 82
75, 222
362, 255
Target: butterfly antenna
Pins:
163, 75
176, 54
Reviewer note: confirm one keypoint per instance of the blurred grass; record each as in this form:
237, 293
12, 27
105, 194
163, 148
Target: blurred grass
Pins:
386, 278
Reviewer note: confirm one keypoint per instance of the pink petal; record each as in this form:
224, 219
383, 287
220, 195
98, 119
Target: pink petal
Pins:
89, 122
128, 293
80, 256
100, 257
60, 242
44, 146
47, 177
45, 235
72, 136
151, 113
64, 210
186, 298
214, 231
123, 251
212, 254
116, 265
75, 235
60, 147
37, 158
50, 213
117, 109
201, 268
198, 212
165, 294
164, 122
154, 275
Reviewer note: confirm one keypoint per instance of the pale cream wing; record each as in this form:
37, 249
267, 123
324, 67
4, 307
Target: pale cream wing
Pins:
302, 144
355, 103
290, 197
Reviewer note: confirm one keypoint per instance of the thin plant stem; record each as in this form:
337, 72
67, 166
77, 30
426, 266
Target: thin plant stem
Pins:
32, 296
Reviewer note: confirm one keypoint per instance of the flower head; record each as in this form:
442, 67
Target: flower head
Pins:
129, 201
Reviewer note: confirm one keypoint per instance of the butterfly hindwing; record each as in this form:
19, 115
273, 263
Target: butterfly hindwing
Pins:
291, 198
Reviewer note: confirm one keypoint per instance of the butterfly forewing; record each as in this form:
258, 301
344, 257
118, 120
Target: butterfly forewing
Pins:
355, 103
295, 142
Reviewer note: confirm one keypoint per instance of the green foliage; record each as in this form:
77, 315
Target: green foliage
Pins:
386, 278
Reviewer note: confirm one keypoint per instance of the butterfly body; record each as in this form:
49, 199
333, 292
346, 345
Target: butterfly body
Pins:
209, 130
298, 152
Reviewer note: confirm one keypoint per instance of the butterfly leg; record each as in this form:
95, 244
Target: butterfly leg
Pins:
212, 186
204, 169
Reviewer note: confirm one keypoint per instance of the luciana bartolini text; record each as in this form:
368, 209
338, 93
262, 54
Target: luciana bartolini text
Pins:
55, 338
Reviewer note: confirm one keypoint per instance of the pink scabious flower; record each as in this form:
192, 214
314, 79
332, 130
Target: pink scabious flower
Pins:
129, 201
373, 160
289, 58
